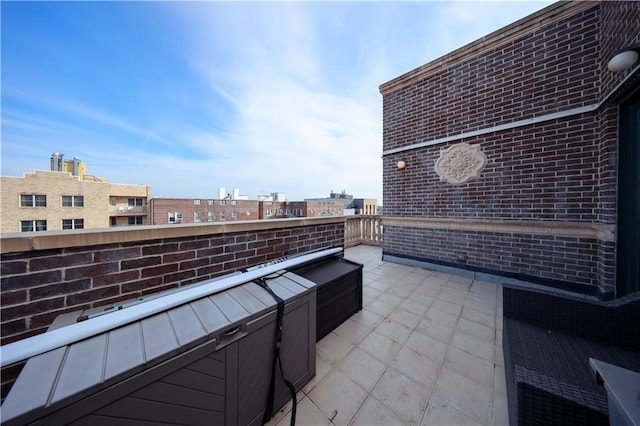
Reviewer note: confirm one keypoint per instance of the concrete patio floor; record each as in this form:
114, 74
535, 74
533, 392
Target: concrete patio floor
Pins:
425, 350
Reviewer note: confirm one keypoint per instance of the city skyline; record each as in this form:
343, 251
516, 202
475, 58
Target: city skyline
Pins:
189, 97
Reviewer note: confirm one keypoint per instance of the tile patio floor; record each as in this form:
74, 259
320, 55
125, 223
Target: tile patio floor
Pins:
425, 350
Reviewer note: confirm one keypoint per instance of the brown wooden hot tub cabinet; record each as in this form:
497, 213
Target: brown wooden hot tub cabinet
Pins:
207, 362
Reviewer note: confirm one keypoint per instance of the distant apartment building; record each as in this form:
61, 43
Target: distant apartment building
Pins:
285, 209
350, 205
166, 211
67, 198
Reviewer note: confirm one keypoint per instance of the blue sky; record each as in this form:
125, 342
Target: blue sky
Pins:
191, 96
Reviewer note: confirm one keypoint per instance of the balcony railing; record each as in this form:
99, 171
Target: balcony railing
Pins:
124, 210
363, 229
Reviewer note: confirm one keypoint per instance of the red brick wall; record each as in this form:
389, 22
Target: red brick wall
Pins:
560, 170
39, 285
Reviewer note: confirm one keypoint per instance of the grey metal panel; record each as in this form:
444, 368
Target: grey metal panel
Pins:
285, 282
125, 350
186, 324
283, 292
24, 396
249, 301
260, 293
82, 367
229, 307
298, 279
158, 336
210, 315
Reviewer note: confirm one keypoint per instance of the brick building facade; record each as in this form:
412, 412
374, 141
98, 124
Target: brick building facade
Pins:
538, 100
166, 211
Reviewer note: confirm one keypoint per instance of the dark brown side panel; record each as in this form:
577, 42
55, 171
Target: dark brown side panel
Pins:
193, 395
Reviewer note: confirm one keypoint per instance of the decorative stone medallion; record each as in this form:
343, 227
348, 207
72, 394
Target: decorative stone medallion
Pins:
460, 163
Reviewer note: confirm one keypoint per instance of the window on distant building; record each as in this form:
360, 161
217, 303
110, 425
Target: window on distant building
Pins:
72, 201
210, 202
136, 220
234, 215
72, 223
175, 217
197, 216
113, 201
196, 202
33, 225
234, 202
223, 202
223, 215
210, 217
33, 200
114, 221
135, 202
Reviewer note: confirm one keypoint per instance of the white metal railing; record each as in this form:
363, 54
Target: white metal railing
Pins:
363, 229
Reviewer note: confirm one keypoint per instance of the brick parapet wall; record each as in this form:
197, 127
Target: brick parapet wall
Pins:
38, 285
78, 270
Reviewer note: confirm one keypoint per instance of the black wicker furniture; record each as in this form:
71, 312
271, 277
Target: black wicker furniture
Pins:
548, 339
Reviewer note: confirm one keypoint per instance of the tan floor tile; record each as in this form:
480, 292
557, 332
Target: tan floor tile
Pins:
406, 318
447, 307
440, 413
479, 317
352, 331
479, 331
417, 366
470, 366
391, 299
373, 413
380, 307
441, 317
405, 397
381, 347
428, 346
465, 395
424, 299
332, 347
473, 345
368, 318
338, 397
393, 330
414, 307
485, 308
452, 295
362, 368
436, 330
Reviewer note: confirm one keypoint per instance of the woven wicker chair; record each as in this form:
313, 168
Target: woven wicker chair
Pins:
547, 341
